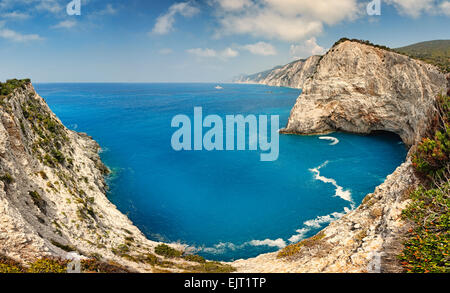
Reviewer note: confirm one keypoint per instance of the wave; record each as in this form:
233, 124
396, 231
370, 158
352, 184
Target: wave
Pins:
339, 191
222, 247
301, 233
333, 140
280, 243
316, 224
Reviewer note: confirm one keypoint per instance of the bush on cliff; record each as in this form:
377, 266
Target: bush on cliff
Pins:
427, 248
167, 251
10, 85
432, 156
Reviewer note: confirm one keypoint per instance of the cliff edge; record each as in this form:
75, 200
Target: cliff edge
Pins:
292, 75
361, 88
53, 194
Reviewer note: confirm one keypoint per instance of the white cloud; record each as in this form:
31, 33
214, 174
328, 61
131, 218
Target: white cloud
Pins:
413, 8
229, 53
288, 20
199, 52
52, 6
208, 53
109, 10
15, 15
444, 7
233, 4
260, 48
306, 49
65, 24
14, 36
164, 23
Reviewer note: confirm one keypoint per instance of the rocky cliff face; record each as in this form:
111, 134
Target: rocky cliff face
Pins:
52, 192
291, 75
360, 88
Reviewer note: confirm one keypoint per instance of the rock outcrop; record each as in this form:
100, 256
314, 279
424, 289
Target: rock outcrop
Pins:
361, 88
52, 192
292, 75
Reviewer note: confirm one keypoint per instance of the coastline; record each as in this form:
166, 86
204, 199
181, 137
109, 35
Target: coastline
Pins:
75, 214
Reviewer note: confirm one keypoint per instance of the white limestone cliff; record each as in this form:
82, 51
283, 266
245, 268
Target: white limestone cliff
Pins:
292, 75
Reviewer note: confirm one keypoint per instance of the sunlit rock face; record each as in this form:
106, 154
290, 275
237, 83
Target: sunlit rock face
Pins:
292, 75
360, 88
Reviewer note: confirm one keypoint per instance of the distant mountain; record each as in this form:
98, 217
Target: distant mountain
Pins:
292, 75
434, 52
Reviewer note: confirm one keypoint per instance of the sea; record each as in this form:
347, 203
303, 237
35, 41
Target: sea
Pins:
223, 205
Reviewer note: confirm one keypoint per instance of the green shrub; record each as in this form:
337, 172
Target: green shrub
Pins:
428, 246
432, 155
167, 251
97, 266
362, 42
48, 265
64, 247
7, 178
10, 85
211, 267
194, 258
293, 249
10, 266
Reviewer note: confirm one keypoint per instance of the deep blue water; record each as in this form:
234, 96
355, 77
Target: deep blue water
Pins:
225, 205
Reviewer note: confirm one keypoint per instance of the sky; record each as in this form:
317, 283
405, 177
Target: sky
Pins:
195, 40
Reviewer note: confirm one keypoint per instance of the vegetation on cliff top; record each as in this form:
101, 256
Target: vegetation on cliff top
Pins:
365, 42
58, 266
433, 52
294, 249
10, 85
427, 248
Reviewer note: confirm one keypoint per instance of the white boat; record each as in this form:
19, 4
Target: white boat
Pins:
218, 87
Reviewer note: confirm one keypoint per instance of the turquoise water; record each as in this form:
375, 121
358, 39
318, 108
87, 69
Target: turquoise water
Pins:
224, 205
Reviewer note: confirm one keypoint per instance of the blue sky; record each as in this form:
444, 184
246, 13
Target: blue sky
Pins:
194, 40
